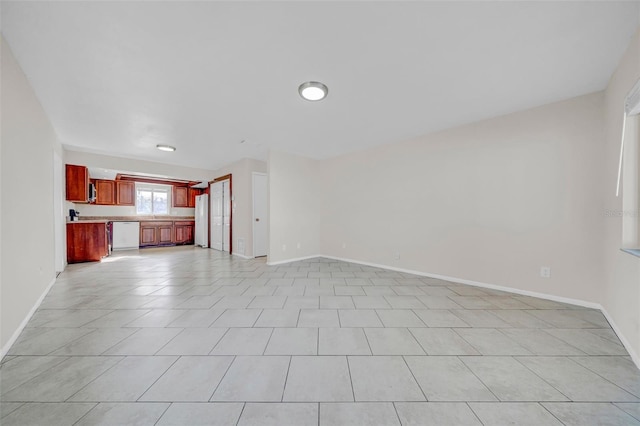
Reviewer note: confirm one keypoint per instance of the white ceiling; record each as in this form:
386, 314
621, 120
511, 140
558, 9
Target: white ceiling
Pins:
121, 77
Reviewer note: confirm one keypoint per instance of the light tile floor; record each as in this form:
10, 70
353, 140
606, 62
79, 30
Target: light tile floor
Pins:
189, 336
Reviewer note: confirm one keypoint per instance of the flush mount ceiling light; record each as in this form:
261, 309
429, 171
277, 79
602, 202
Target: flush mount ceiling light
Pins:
167, 148
313, 91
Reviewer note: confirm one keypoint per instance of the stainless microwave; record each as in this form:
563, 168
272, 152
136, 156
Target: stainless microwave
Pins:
92, 192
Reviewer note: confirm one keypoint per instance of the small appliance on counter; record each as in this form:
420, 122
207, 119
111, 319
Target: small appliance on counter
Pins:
74, 215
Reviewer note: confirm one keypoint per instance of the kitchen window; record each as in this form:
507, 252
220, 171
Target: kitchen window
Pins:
153, 199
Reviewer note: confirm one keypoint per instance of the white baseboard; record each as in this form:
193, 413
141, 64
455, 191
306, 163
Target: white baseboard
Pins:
577, 302
552, 297
297, 259
23, 324
623, 340
241, 255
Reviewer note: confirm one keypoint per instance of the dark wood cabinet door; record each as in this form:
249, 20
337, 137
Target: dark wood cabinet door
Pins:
125, 193
193, 192
86, 242
77, 183
148, 235
105, 192
165, 234
180, 196
189, 237
184, 232
180, 234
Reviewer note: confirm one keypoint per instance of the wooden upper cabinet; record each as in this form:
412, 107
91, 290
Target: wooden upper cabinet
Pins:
77, 183
105, 192
125, 193
180, 196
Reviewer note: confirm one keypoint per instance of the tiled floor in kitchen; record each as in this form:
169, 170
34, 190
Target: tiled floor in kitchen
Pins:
188, 336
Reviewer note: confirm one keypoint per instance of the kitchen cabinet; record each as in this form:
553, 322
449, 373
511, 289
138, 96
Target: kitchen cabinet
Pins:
77, 183
125, 193
105, 192
184, 232
156, 233
165, 233
193, 193
180, 196
86, 241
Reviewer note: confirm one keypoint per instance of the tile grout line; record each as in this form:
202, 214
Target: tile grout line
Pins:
158, 378
123, 357
353, 391
474, 413
87, 413
541, 378
404, 359
284, 388
163, 413
222, 379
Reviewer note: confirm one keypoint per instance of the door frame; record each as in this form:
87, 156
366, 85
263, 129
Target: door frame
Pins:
216, 180
60, 236
253, 210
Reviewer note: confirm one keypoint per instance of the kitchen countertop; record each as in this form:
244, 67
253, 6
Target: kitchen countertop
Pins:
75, 222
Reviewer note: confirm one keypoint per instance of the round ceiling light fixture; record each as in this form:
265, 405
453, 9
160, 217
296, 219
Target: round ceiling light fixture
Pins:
167, 148
313, 91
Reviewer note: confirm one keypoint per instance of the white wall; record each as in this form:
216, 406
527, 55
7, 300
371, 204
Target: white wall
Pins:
490, 202
99, 210
26, 177
294, 207
621, 286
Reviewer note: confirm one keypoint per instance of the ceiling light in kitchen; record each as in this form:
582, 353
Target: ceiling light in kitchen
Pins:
313, 91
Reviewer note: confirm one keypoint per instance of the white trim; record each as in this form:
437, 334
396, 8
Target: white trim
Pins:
634, 356
297, 259
554, 298
623, 340
241, 255
23, 324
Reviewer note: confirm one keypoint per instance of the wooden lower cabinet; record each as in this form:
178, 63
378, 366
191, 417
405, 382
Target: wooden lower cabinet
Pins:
148, 235
156, 233
184, 232
86, 242
164, 233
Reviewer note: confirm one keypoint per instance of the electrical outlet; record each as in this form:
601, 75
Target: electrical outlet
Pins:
344, 245
284, 247
545, 272
298, 246
396, 255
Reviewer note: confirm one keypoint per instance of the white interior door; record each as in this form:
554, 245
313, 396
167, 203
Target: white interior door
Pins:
216, 192
226, 215
220, 215
259, 214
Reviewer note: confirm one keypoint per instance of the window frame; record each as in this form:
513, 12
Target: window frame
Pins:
153, 188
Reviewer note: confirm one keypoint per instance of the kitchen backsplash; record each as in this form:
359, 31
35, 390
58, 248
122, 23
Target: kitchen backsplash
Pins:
105, 211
